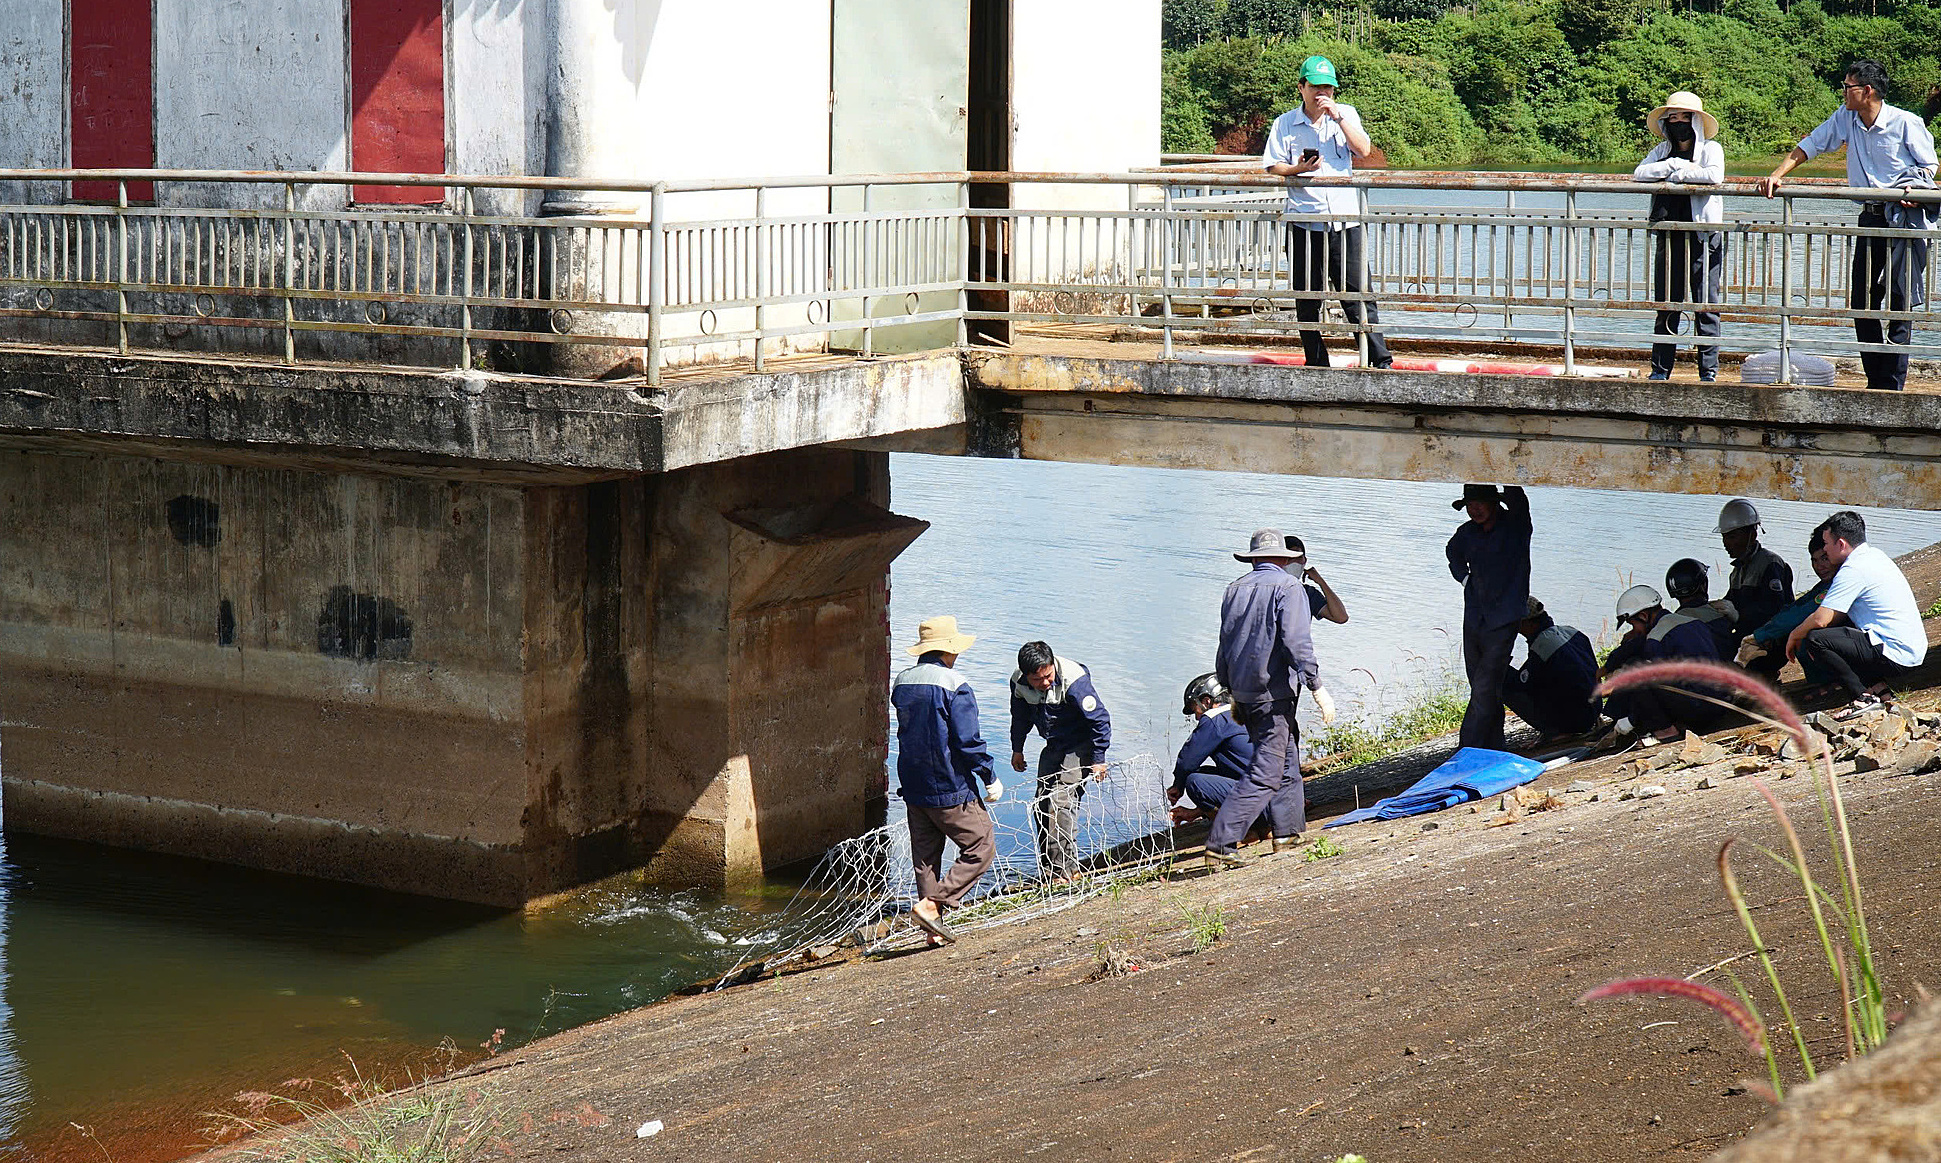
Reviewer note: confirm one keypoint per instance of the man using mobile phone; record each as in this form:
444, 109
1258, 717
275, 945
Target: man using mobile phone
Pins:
1322, 138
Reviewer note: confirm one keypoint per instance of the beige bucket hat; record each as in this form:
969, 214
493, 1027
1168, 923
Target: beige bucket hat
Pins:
1689, 103
940, 634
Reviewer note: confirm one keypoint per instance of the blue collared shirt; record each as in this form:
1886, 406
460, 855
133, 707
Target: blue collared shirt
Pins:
1494, 566
1882, 156
1265, 653
1292, 133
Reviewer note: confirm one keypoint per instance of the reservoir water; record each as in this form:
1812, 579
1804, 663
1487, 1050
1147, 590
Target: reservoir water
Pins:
140, 992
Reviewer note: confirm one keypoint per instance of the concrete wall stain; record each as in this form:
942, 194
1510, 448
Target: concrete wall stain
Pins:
362, 627
194, 521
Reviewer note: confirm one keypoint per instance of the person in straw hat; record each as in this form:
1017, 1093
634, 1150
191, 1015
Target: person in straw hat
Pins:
1690, 266
944, 774
1490, 555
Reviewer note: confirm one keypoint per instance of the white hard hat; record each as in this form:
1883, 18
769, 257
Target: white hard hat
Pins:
1637, 600
1737, 515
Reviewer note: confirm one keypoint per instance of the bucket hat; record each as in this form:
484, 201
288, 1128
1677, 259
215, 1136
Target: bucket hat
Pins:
1488, 494
940, 634
1268, 543
1689, 103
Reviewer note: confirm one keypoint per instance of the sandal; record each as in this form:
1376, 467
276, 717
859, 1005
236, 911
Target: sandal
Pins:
1858, 707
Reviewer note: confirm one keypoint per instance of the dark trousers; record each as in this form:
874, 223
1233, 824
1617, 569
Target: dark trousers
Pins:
969, 827
1546, 711
1890, 272
1690, 269
1318, 259
1486, 660
1654, 708
1272, 784
1054, 811
1849, 656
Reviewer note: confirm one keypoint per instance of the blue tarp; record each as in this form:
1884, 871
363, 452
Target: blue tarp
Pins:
1472, 773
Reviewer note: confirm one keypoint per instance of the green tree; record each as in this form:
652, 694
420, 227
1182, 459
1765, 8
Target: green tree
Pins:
1185, 24
1587, 24
1262, 18
1183, 126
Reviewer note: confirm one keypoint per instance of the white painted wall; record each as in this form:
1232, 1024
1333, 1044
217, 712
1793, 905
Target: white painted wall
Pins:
33, 93
495, 113
1085, 94
249, 86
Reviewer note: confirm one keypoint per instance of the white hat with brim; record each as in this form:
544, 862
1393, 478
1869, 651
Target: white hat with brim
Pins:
940, 634
1685, 102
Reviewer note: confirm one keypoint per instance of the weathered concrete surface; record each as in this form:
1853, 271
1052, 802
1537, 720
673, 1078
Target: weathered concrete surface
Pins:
477, 691
1794, 443
480, 425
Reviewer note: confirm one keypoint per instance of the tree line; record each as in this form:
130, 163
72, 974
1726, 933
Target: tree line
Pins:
1536, 82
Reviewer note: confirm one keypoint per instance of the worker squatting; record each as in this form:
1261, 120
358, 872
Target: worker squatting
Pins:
1853, 632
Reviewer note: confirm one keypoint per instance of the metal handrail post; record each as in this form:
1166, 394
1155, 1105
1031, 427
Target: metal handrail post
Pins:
869, 265
1786, 290
1167, 238
289, 272
761, 266
1570, 282
465, 207
963, 263
121, 267
656, 277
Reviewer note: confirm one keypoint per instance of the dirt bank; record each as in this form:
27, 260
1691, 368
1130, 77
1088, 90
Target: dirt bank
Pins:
1409, 999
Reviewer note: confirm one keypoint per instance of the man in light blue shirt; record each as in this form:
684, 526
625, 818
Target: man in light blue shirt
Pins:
1868, 627
1887, 148
1322, 138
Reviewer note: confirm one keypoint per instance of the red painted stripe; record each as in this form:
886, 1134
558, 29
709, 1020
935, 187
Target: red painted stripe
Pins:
111, 93
397, 85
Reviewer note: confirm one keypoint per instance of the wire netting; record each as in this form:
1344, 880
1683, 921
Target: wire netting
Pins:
861, 891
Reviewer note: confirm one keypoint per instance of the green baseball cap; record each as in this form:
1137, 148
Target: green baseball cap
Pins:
1318, 70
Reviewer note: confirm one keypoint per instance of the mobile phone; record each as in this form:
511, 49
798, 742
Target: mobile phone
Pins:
1308, 155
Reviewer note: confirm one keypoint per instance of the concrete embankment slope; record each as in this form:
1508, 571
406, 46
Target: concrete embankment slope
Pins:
1409, 999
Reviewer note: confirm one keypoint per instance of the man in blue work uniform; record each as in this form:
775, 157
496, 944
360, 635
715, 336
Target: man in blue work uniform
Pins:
1551, 691
1887, 148
1322, 601
1214, 757
1689, 583
1056, 696
1656, 714
943, 773
1265, 657
1490, 555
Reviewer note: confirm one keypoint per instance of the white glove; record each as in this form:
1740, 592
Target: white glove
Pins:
994, 791
1325, 703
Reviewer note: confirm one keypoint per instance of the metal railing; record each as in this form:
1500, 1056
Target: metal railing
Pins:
283, 266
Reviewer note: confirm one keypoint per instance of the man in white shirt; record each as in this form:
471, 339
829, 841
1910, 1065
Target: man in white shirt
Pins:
1868, 627
1322, 138
1887, 148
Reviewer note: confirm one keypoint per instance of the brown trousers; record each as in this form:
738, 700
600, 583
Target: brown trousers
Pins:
969, 827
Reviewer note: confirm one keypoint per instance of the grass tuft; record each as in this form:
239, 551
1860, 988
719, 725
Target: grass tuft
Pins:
380, 1124
1321, 849
1205, 923
1437, 712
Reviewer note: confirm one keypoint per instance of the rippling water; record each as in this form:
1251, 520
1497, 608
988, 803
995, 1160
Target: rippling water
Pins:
141, 991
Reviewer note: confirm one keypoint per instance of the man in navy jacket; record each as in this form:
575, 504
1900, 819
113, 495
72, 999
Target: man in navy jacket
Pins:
1056, 697
1659, 714
943, 772
1551, 691
1214, 758
1490, 555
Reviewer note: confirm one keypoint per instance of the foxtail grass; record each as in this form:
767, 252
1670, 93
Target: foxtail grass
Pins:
302, 1123
1850, 956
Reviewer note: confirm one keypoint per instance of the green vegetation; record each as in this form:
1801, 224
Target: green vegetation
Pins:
416, 1124
1205, 923
1536, 82
1321, 849
1437, 712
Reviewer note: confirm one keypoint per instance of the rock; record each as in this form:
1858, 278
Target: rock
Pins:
1086, 932
1627, 794
1748, 767
1769, 743
1595, 796
1579, 786
1888, 732
1918, 756
1792, 750
818, 952
1697, 751
1705, 784
1866, 761
1928, 719
1651, 791
1430, 826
